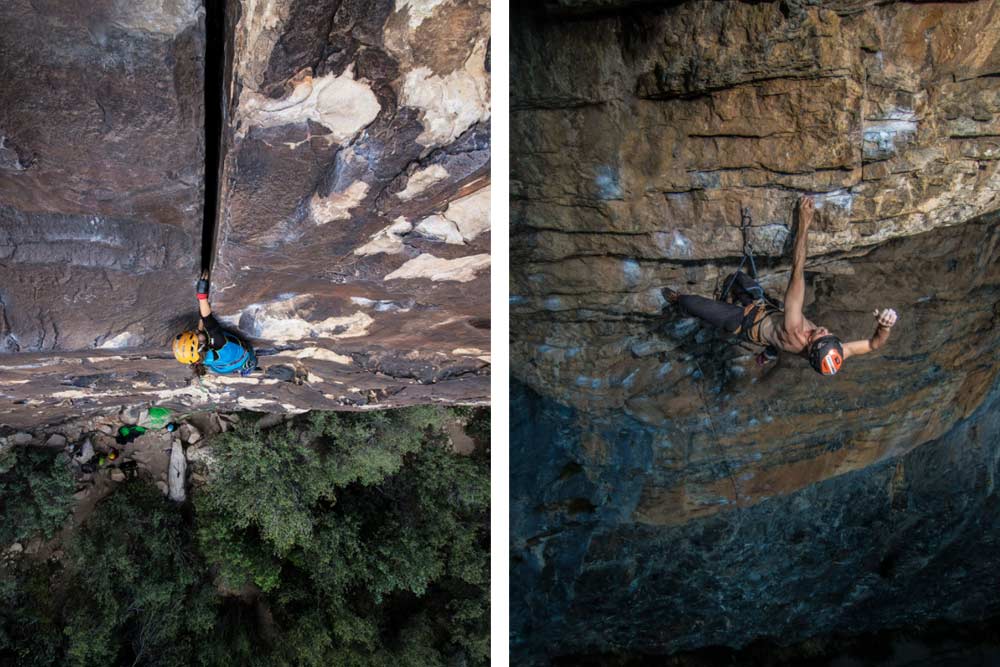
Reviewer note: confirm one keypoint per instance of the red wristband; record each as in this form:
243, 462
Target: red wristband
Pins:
203, 297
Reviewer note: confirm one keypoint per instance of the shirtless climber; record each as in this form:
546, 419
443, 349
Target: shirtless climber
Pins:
762, 323
217, 350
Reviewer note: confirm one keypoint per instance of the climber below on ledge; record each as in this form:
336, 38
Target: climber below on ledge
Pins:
763, 323
210, 346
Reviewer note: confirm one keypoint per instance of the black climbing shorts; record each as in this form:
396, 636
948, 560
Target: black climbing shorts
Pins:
726, 316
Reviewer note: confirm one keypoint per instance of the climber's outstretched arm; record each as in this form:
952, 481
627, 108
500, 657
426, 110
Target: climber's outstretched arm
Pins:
202, 290
795, 295
885, 319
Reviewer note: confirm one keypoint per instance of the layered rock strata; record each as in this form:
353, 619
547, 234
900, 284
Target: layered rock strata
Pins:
50, 388
101, 169
596, 232
638, 133
353, 228
900, 543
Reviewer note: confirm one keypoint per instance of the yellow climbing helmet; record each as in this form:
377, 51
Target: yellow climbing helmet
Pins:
186, 347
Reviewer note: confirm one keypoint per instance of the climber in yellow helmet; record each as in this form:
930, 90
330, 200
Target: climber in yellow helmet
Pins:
763, 323
219, 351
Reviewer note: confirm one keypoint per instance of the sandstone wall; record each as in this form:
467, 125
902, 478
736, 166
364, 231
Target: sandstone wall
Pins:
638, 131
352, 241
356, 182
101, 166
631, 156
898, 544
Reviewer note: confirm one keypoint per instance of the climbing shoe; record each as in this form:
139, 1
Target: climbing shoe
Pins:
670, 295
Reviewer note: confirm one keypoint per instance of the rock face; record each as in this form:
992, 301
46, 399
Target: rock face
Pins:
352, 242
355, 191
898, 543
632, 154
101, 166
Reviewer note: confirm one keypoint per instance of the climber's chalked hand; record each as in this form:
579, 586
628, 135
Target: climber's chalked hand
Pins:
806, 209
886, 318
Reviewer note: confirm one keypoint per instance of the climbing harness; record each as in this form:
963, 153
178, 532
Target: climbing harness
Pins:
763, 305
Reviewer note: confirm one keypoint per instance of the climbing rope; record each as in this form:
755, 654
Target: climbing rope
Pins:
715, 435
745, 223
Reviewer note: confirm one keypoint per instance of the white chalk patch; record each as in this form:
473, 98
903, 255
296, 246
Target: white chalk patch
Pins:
339, 103
338, 205
388, 240
56, 361
232, 379
680, 245
380, 306
439, 228
838, 198
463, 220
436, 269
632, 271
451, 104
471, 213
481, 355
118, 342
417, 10
422, 179
252, 403
321, 354
159, 17
282, 328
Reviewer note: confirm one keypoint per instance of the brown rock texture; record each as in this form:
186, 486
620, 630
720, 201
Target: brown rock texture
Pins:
352, 236
631, 157
355, 192
101, 166
666, 493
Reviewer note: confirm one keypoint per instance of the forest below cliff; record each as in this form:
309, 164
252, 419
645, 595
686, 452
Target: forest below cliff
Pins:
332, 538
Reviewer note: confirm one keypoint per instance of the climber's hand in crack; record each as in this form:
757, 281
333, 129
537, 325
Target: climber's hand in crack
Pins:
807, 209
202, 291
201, 286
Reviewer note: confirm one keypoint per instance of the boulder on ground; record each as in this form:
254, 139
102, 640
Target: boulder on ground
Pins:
176, 475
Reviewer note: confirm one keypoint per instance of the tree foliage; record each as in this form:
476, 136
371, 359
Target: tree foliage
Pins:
362, 527
36, 491
337, 539
138, 592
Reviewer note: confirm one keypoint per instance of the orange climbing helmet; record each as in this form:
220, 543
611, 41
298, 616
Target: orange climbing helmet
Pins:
187, 347
826, 355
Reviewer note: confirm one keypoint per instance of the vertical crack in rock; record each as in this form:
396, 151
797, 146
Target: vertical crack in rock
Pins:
215, 55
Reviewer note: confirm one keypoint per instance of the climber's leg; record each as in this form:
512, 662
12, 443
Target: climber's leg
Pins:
722, 315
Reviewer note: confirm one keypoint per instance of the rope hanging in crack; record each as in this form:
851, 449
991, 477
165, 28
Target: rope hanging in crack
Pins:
715, 436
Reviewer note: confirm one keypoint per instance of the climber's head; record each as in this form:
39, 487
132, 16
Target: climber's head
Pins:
826, 354
188, 347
